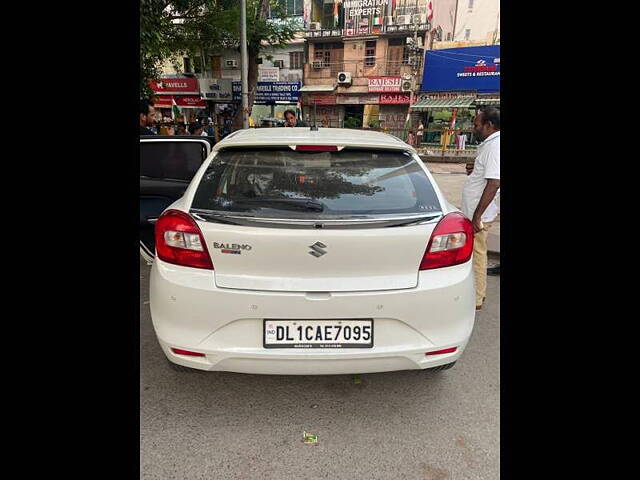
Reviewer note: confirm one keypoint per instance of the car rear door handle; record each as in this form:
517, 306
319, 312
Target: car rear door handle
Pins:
152, 220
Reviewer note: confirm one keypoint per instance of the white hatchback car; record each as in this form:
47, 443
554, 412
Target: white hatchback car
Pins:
295, 251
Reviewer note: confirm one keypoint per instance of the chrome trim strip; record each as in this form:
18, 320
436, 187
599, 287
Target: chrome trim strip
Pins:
419, 218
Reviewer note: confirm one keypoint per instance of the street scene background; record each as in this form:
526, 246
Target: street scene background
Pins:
416, 69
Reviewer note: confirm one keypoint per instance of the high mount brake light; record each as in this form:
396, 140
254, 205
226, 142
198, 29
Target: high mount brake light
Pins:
451, 243
180, 241
316, 148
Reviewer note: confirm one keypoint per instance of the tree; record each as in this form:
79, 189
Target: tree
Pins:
202, 27
155, 27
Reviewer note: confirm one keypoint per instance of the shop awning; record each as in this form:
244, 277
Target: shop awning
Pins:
317, 88
487, 101
175, 86
182, 101
163, 101
458, 102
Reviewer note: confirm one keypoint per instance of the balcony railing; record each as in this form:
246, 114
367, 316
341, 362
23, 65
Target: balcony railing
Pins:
359, 69
324, 33
330, 31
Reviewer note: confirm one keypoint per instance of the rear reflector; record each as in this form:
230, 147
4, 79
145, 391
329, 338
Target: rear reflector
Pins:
440, 352
316, 148
178, 351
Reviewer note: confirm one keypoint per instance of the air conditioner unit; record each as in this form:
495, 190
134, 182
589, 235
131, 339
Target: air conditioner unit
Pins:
315, 26
231, 63
406, 85
316, 64
420, 19
404, 19
344, 78
388, 21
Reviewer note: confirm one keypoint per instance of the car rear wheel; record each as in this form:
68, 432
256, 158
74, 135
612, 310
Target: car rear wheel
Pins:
440, 368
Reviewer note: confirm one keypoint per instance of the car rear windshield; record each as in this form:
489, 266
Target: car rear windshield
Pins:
171, 160
277, 183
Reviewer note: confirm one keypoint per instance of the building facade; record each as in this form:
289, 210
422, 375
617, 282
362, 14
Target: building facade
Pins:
365, 58
478, 21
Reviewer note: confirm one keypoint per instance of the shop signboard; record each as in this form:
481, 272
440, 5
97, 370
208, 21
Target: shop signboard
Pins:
462, 69
357, 99
188, 101
236, 86
269, 74
320, 99
182, 101
394, 98
384, 84
362, 17
217, 90
175, 86
162, 101
366, 17
271, 92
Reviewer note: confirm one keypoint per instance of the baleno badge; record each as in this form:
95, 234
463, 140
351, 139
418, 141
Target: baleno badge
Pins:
233, 248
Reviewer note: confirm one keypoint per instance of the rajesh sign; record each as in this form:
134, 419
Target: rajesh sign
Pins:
384, 84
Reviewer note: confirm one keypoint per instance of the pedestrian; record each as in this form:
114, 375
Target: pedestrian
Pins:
182, 129
147, 117
420, 135
411, 138
208, 127
461, 140
197, 130
479, 192
291, 120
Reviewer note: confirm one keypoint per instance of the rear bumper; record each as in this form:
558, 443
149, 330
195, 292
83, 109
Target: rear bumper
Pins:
191, 313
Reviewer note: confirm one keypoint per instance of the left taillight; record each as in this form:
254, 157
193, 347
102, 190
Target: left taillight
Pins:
180, 241
451, 243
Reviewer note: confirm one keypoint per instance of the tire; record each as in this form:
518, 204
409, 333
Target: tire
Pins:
181, 368
440, 368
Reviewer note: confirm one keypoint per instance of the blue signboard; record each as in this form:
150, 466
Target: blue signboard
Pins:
468, 68
271, 92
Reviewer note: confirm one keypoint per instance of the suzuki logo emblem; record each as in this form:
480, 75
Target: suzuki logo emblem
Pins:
317, 249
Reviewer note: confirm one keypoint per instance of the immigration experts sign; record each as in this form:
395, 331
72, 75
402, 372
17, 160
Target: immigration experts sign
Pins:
365, 8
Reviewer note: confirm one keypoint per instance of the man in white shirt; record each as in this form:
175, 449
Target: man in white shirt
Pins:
479, 193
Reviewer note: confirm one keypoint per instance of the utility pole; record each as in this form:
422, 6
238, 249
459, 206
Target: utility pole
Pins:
245, 64
455, 20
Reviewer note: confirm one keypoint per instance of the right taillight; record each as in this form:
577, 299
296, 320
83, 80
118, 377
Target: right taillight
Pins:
451, 242
180, 241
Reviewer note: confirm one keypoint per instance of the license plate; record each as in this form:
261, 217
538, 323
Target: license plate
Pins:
318, 333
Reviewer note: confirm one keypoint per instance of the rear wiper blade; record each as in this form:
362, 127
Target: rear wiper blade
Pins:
290, 203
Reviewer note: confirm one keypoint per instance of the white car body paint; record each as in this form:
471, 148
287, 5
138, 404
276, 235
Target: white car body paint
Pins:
370, 273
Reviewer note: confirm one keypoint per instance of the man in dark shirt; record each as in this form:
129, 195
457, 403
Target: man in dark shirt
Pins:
147, 117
